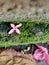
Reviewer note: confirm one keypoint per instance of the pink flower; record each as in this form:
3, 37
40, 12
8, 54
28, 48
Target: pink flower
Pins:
47, 58
41, 54
15, 28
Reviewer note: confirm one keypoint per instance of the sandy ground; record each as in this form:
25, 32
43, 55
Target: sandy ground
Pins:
36, 10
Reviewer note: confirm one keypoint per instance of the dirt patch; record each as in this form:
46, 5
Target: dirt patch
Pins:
19, 9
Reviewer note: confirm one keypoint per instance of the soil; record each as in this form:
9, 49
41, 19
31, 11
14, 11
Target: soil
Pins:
36, 10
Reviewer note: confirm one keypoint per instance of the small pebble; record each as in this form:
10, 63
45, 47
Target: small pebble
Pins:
28, 48
39, 34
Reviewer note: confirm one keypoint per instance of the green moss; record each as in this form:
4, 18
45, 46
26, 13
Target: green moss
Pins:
28, 33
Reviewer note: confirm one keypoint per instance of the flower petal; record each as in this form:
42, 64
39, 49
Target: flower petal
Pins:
11, 31
38, 55
18, 31
47, 58
42, 48
12, 25
17, 26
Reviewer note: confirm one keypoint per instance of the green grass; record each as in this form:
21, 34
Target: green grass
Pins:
23, 41
26, 37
